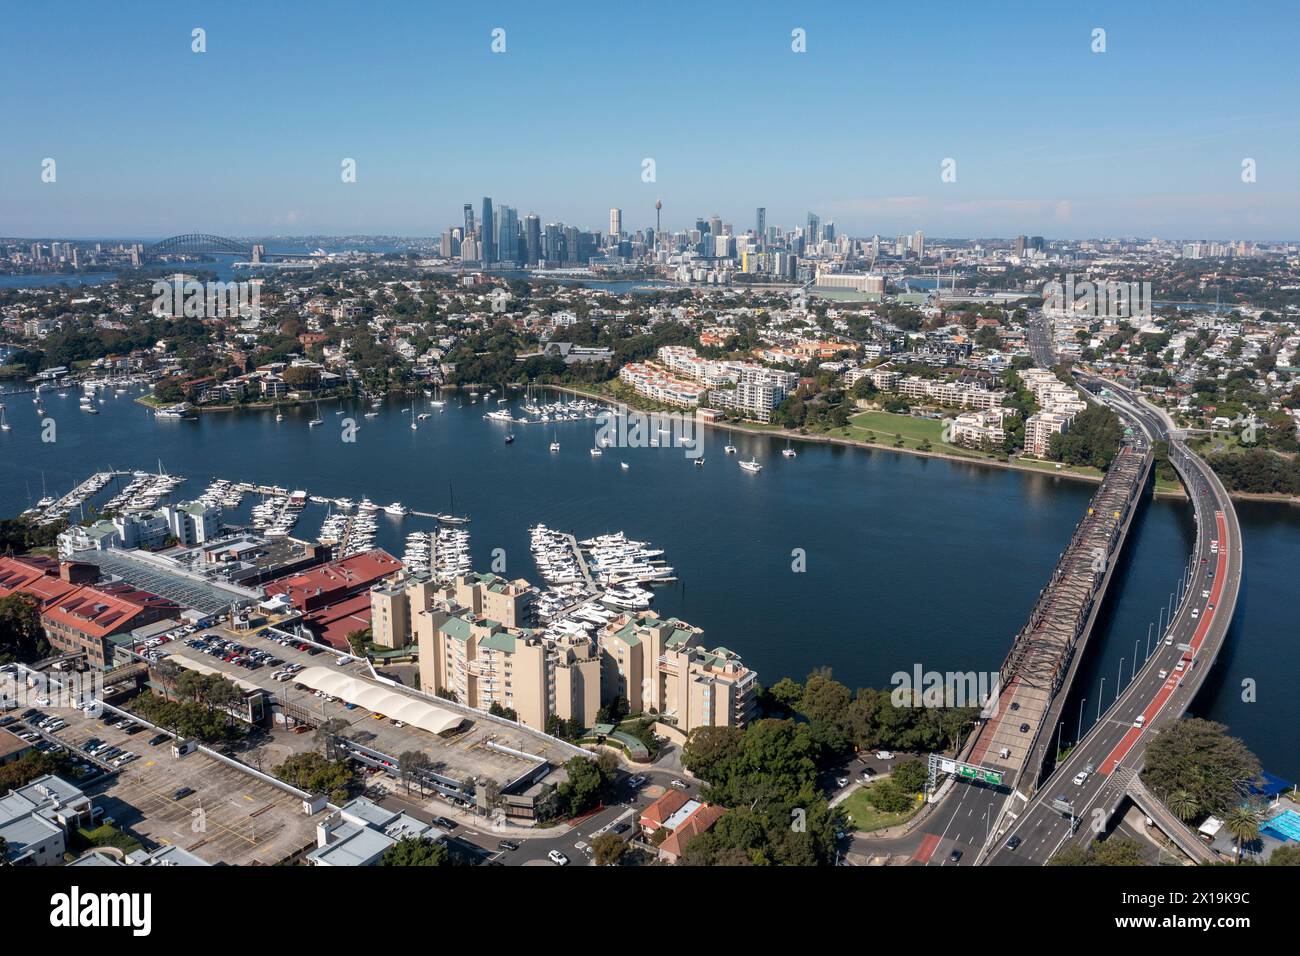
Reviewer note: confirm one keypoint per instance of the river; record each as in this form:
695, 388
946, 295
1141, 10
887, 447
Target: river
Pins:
905, 560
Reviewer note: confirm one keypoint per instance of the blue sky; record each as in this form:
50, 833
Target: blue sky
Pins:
1049, 138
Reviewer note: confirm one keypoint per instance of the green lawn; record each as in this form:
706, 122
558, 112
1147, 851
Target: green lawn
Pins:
864, 817
881, 427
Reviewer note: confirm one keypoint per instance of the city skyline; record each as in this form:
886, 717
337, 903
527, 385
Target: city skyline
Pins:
1047, 136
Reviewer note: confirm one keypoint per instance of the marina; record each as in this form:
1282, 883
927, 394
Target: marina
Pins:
877, 520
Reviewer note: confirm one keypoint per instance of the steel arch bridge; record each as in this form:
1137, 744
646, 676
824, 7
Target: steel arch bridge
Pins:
197, 244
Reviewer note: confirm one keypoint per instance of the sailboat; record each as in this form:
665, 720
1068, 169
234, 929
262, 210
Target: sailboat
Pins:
788, 451
317, 420
4, 423
414, 423
730, 449
279, 415
437, 397
555, 442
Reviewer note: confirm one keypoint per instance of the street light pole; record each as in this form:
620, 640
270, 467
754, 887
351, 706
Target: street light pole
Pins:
1134, 674
1100, 692
1119, 677
1149, 626
1078, 731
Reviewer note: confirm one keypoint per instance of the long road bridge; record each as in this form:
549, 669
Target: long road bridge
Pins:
1101, 773
971, 822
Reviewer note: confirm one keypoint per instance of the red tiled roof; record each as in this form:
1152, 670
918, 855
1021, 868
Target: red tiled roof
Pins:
330, 583
653, 816
35, 576
334, 623
104, 609
701, 821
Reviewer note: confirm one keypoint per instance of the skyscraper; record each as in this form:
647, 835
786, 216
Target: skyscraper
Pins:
616, 222
1020, 245
469, 221
488, 238
814, 229
532, 239
760, 224
918, 244
507, 234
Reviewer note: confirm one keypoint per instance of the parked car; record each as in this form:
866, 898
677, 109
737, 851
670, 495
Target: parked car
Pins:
182, 793
636, 780
679, 784
157, 739
558, 858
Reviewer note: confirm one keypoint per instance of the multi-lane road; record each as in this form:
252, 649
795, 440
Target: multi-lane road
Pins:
1077, 801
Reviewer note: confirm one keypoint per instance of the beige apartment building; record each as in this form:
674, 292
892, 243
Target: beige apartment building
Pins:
483, 663
658, 666
396, 602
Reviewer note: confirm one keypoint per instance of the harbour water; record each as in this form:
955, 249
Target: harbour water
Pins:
904, 560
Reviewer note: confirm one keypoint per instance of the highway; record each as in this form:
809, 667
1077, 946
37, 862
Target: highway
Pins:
1164, 685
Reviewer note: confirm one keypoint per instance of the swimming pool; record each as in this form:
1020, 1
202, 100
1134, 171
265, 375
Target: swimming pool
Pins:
1284, 826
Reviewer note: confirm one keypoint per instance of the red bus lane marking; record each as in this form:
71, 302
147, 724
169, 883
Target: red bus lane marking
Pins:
926, 849
1171, 683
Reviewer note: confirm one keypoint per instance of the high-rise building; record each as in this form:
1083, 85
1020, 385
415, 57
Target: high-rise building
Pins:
760, 224
469, 221
918, 244
507, 234
532, 239
616, 222
488, 238
1020, 245
814, 229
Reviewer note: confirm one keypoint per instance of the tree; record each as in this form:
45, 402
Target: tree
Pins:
1199, 757
586, 786
608, 849
1288, 855
910, 775
1243, 821
21, 636
328, 733
359, 640
1183, 805
416, 851
709, 751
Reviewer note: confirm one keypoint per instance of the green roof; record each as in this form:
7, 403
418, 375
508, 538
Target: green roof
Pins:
500, 641
457, 628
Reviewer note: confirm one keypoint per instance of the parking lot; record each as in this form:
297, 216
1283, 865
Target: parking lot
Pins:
466, 752
229, 816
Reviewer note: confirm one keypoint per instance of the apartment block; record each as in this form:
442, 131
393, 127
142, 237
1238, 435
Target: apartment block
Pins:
659, 666
1039, 429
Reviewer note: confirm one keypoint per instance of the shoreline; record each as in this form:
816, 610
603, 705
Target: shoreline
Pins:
859, 443
1178, 494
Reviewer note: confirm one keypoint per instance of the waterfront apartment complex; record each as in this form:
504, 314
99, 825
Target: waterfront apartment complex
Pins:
658, 665
681, 377
1058, 404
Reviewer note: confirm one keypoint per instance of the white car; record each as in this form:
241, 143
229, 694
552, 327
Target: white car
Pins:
1080, 777
1169, 641
1162, 673
679, 784
1205, 594
343, 660
1140, 720
1196, 612
884, 755
558, 858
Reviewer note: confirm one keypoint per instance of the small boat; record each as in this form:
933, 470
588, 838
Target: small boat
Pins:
789, 452
279, 416
555, 446
699, 462
317, 420
751, 466
624, 465
397, 508
4, 423
414, 423
510, 439
596, 453
730, 449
